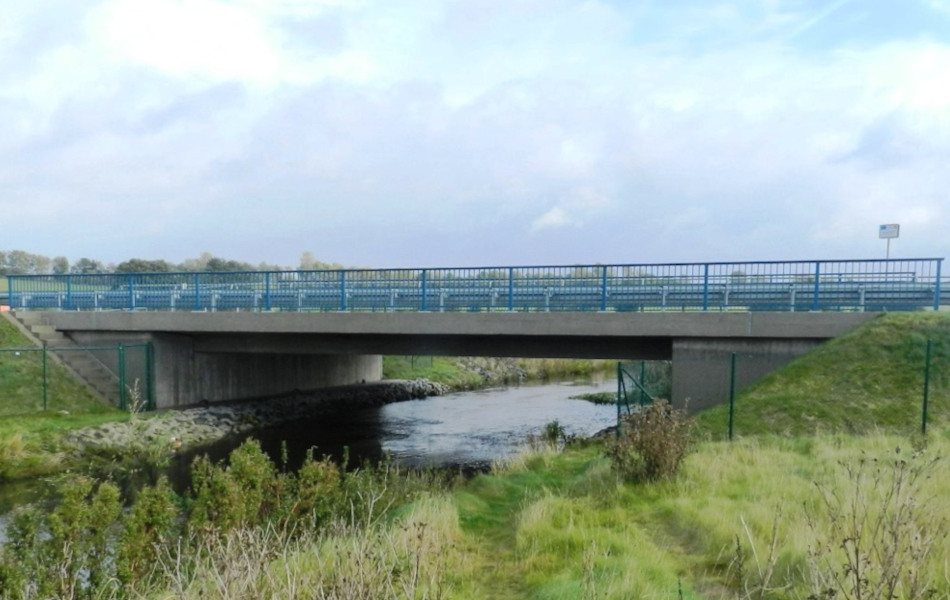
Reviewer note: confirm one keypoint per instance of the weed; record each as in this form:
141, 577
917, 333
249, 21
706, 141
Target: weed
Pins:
757, 584
875, 534
651, 444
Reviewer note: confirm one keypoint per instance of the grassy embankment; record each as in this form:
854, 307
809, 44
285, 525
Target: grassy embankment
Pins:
466, 373
29, 435
869, 379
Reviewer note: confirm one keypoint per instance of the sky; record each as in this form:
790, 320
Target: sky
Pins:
428, 133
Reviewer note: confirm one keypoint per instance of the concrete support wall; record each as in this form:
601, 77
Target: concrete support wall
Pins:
701, 367
184, 376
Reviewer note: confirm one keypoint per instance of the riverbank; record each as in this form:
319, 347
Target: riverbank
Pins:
179, 430
476, 372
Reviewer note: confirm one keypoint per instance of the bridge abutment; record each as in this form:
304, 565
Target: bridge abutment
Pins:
184, 376
702, 368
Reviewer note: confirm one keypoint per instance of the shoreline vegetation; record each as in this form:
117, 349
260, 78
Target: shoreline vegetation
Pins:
828, 491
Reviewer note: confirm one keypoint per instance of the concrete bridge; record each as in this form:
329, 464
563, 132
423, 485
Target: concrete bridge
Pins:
223, 336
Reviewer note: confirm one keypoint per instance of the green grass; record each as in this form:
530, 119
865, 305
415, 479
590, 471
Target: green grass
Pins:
29, 435
561, 526
21, 380
465, 373
598, 397
443, 369
869, 379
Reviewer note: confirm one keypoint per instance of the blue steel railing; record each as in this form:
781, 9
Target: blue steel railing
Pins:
909, 284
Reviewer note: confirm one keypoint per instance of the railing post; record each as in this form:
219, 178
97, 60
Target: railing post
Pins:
267, 305
511, 289
197, 294
814, 298
131, 292
706, 287
937, 287
603, 289
425, 291
343, 291
69, 292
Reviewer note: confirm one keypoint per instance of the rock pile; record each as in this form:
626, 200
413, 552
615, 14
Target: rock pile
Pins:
199, 426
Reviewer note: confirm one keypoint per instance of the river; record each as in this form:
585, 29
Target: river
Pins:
468, 430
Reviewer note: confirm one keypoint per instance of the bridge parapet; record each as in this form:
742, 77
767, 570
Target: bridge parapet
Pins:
838, 285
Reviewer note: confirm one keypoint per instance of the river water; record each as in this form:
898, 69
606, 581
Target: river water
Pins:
467, 430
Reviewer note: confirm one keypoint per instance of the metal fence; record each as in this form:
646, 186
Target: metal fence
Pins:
641, 383
122, 374
909, 284
931, 375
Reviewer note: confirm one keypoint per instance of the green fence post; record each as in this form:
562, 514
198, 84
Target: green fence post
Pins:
619, 393
923, 424
732, 392
121, 357
643, 382
45, 379
149, 376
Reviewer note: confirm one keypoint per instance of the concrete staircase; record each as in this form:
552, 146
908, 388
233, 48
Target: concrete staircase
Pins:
83, 364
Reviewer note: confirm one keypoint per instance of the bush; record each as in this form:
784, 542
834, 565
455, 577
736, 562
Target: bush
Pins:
651, 444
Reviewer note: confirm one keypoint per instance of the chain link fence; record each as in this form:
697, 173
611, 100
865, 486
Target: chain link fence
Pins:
640, 383
33, 379
923, 384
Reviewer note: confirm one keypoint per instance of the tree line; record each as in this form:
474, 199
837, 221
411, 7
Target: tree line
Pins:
19, 262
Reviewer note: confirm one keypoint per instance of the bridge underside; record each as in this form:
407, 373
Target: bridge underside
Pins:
225, 356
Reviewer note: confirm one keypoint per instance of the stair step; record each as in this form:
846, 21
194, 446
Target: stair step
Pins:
96, 375
29, 317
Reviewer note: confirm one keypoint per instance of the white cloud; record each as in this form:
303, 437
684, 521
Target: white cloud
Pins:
939, 5
189, 38
555, 218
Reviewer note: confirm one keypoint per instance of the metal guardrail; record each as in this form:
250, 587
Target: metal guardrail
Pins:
909, 284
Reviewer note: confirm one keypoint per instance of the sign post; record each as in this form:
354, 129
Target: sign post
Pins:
889, 232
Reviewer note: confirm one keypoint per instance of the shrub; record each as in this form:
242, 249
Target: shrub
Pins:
151, 522
66, 553
651, 444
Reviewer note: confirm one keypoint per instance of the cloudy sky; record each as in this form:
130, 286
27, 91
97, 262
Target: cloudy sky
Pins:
396, 133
